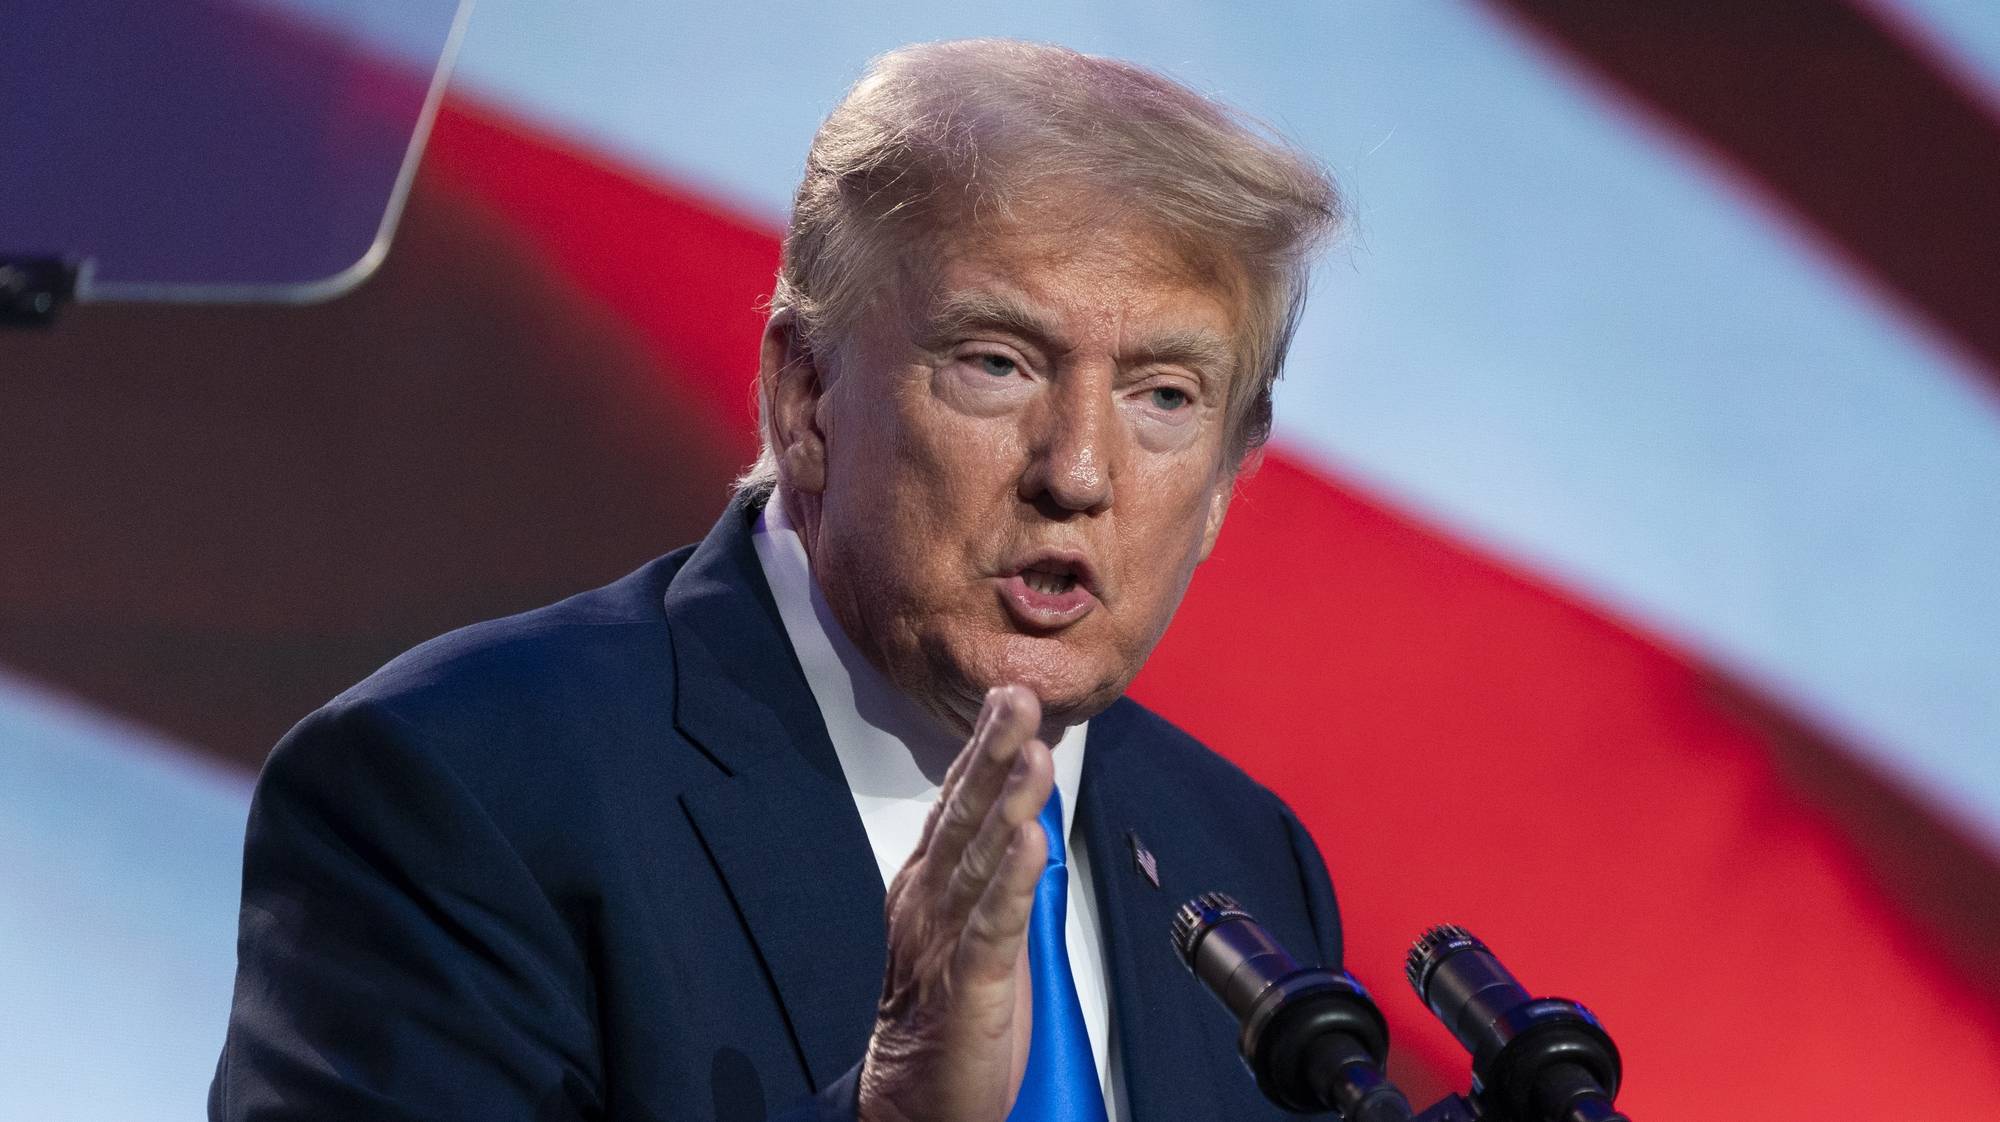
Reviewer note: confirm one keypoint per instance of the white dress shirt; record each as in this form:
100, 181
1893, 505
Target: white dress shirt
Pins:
894, 757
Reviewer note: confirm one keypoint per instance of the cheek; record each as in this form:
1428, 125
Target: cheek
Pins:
930, 483
876, 443
1162, 548
1176, 493
962, 458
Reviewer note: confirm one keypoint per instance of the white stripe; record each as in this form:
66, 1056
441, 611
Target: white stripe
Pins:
1554, 330
119, 875
1962, 36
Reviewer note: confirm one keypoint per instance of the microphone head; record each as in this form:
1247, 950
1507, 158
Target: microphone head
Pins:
1433, 947
1519, 1043
1298, 1023
1199, 916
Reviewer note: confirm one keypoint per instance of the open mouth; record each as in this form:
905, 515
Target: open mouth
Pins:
1050, 591
1049, 578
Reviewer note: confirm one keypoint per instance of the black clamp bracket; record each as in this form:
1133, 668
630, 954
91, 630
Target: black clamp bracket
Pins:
33, 290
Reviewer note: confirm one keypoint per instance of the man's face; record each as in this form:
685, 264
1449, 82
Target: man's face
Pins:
1021, 465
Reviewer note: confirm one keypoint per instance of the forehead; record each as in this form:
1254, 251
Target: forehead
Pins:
1080, 280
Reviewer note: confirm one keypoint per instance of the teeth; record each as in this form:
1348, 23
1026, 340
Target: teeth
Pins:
1048, 583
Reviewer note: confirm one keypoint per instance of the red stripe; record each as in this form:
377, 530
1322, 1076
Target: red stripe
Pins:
642, 251
1467, 744
1477, 748
1837, 118
215, 518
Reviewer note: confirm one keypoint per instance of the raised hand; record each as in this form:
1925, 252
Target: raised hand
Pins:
952, 1030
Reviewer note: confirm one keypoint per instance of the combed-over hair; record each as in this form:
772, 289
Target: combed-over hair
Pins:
938, 138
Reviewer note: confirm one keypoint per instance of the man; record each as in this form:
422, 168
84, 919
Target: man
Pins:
624, 857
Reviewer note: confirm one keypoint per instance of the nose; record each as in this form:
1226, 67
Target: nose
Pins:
1073, 451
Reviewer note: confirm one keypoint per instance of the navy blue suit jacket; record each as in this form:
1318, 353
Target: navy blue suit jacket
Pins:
599, 861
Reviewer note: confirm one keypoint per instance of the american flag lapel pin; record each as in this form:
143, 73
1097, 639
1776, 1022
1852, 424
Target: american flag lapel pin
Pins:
1143, 859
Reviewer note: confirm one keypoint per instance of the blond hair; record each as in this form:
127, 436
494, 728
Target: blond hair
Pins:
937, 138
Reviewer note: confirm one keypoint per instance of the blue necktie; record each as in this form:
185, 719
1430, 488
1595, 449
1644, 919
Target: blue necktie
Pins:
1060, 1084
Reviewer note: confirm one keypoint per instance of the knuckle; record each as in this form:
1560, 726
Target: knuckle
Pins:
981, 928
958, 816
969, 878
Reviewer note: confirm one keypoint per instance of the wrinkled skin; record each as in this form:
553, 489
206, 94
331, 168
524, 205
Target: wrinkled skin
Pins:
953, 1026
1004, 478
927, 459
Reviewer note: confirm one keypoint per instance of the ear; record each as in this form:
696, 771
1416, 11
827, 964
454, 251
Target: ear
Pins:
1218, 505
792, 386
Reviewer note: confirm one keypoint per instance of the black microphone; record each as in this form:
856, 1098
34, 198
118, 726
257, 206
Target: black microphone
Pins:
1534, 1059
1312, 1037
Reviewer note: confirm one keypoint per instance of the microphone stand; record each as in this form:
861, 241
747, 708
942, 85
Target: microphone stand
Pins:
1315, 1041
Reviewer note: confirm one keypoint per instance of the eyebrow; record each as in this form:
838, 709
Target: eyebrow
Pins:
962, 311
1190, 347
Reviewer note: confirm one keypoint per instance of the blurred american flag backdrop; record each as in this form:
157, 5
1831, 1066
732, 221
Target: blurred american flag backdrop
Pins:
1622, 582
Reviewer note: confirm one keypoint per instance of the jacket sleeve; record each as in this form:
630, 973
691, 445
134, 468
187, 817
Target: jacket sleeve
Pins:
396, 957
1317, 888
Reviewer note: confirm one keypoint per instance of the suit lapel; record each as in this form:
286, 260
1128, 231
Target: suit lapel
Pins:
779, 822
1176, 1044
781, 827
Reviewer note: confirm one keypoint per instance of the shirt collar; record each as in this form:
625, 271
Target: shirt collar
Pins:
889, 747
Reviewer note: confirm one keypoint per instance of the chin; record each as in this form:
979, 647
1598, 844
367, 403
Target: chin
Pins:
1073, 685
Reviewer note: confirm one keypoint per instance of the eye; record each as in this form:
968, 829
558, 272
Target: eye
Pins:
1000, 366
1170, 398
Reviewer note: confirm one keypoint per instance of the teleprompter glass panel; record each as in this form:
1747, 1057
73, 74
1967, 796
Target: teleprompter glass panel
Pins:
215, 150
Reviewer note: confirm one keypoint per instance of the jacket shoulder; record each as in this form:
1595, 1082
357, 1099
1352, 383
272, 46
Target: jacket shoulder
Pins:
565, 700
588, 644
1230, 829
1201, 772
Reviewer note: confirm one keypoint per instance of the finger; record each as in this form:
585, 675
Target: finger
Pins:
956, 771
1009, 718
996, 712
952, 776
997, 927
1021, 800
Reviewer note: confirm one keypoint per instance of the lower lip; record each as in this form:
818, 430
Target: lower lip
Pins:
1045, 610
